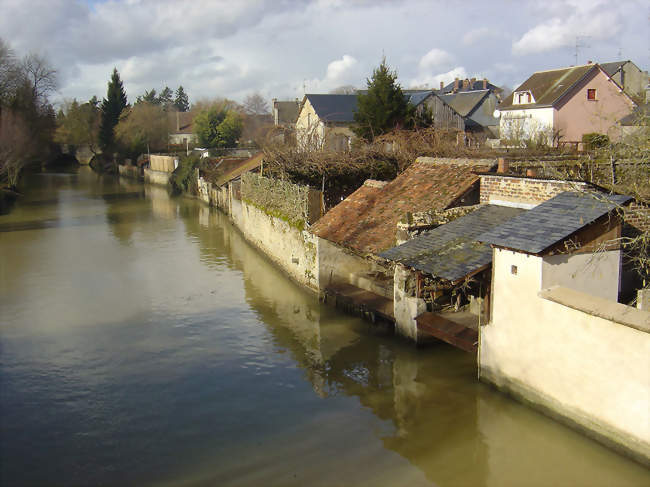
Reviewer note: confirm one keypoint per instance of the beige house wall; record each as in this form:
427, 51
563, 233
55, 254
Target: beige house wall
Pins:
597, 274
313, 133
584, 367
578, 115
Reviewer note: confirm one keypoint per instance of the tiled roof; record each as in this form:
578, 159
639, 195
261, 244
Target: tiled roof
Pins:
611, 68
477, 85
245, 166
552, 221
451, 251
334, 108
548, 87
464, 102
367, 219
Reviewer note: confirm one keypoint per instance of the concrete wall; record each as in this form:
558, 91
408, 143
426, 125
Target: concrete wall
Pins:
522, 192
163, 163
338, 264
585, 361
406, 307
595, 274
293, 250
156, 177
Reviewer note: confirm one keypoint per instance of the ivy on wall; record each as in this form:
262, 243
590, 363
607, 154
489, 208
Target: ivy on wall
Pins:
278, 198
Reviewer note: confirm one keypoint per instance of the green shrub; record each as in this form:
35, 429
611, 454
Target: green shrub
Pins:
594, 141
183, 179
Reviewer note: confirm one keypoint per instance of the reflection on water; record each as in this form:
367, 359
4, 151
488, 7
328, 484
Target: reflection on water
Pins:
144, 342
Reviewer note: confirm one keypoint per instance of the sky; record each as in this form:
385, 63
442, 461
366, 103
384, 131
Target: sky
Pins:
284, 48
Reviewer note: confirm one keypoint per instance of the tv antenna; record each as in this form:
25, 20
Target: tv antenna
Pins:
580, 43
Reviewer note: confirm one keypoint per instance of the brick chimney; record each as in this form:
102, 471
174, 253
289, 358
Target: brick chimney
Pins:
465, 84
503, 166
471, 87
485, 83
456, 85
442, 85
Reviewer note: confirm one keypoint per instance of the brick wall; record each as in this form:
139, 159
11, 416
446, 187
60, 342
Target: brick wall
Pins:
638, 216
523, 191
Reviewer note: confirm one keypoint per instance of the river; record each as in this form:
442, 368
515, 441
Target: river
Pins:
144, 342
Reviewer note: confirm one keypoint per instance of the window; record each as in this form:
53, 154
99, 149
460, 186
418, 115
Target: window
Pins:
591, 94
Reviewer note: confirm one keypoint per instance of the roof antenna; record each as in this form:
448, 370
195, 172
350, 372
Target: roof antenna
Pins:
579, 45
304, 86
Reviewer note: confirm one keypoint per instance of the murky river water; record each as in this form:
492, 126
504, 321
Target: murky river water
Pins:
143, 342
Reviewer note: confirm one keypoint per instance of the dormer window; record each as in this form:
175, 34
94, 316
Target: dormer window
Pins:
523, 98
591, 94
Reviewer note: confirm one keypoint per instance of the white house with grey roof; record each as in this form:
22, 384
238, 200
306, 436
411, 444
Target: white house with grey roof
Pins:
561, 105
556, 337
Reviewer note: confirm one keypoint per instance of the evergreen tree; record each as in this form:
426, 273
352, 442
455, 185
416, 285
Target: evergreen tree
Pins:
383, 107
112, 107
166, 98
182, 102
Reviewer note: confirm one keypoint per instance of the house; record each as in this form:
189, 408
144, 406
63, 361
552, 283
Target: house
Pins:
181, 128
629, 77
556, 338
443, 116
352, 233
285, 113
471, 84
561, 105
636, 123
442, 278
324, 121
476, 107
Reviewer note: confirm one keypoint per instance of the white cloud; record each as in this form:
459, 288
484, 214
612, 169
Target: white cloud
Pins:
340, 69
586, 20
224, 48
475, 35
344, 71
433, 81
435, 58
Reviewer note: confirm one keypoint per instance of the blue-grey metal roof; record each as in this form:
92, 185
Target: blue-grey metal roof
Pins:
552, 221
451, 251
334, 108
417, 97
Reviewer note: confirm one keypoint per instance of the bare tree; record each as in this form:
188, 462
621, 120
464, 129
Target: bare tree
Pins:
255, 104
41, 75
10, 73
15, 146
344, 90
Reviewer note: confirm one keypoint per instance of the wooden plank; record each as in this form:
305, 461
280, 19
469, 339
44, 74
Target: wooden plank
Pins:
448, 331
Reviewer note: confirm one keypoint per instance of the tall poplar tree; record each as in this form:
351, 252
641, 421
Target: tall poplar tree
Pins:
112, 107
383, 107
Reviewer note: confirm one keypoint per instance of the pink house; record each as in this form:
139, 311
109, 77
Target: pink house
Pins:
561, 105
